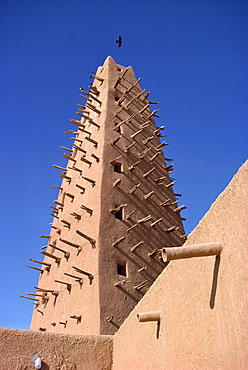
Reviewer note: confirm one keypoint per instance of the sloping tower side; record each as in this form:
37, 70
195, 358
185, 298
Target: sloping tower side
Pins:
115, 210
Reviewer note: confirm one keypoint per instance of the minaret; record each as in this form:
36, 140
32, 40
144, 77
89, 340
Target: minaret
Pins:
115, 210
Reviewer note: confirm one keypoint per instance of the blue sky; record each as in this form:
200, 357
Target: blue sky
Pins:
191, 55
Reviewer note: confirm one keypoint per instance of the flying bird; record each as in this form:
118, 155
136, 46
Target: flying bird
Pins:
119, 41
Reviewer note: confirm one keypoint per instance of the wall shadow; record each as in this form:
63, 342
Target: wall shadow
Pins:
214, 282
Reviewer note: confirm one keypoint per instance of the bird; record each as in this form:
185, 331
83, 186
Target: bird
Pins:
119, 41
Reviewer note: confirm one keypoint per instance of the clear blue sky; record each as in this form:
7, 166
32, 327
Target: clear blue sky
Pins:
191, 55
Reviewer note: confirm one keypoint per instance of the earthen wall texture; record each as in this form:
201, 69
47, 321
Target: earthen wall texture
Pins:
203, 301
57, 351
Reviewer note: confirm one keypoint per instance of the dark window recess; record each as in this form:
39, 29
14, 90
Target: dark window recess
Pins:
119, 214
118, 130
121, 269
117, 167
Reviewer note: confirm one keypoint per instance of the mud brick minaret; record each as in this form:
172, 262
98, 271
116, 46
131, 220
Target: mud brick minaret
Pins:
115, 210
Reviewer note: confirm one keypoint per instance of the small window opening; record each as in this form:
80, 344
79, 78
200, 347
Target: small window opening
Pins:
122, 269
117, 167
118, 129
119, 214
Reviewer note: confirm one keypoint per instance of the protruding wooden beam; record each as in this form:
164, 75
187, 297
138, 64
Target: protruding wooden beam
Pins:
76, 215
92, 241
94, 142
34, 268
156, 222
171, 229
132, 227
132, 190
137, 245
77, 278
95, 157
63, 147
93, 182
90, 276
145, 219
154, 156
96, 77
116, 183
179, 209
160, 146
154, 252
86, 161
129, 146
66, 254
78, 246
144, 153
81, 187
57, 259
146, 141
132, 167
113, 161
90, 211
148, 173
56, 187
122, 282
148, 195
170, 184
32, 299
136, 133
117, 209
118, 241
130, 214
141, 285
68, 286
190, 251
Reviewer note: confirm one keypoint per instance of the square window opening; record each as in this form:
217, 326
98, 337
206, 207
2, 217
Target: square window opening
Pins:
122, 268
117, 167
119, 214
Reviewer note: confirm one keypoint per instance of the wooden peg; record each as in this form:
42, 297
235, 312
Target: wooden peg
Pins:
136, 133
147, 94
69, 195
68, 156
109, 318
57, 259
141, 285
145, 124
66, 254
78, 318
94, 142
83, 130
94, 123
71, 132
150, 171
96, 77
170, 229
92, 241
141, 269
78, 246
56, 187
179, 209
131, 117
116, 140
132, 167
118, 111
79, 148
144, 153
94, 90
132, 227
116, 82
76, 215
158, 129
144, 108
170, 184
160, 146
81, 187
154, 252
97, 100
113, 161
76, 122
137, 245
63, 323
93, 183
48, 265
42, 313
34, 268
132, 190
77, 278
36, 295
117, 209
116, 127
90, 211
133, 85
148, 195
32, 299
66, 223
153, 114
59, 204
90, 276
67, 178
118, 241
116, 183
154, 156
166, 203
93, 108
122, 282
130, 214
177, 195
153, 102
86, 161
76, 169
124, 72
75, 139
68, 286
147, 140
145, 219
45, 236
80, 106
63, 147
156, 222
95, 157
184, 236
129, 147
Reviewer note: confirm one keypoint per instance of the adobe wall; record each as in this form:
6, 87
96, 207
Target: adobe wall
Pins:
202, 300
58, 351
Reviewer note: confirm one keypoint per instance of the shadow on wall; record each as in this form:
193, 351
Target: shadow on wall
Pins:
215, 280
